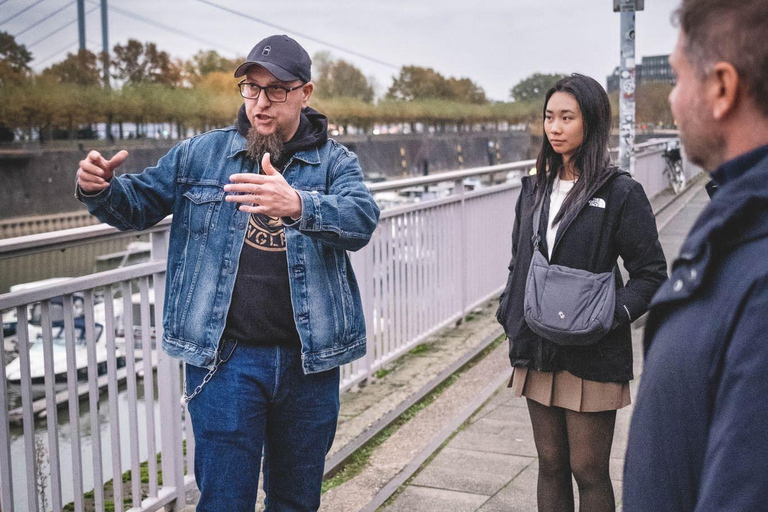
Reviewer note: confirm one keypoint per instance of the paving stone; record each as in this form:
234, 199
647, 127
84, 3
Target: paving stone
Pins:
471, 471
512, 436
510, 402
426, 499
519, 495
496, 401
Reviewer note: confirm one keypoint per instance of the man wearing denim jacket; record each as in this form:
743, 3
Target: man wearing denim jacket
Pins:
261, 302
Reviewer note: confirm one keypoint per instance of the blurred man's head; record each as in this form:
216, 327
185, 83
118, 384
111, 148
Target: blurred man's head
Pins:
720, 101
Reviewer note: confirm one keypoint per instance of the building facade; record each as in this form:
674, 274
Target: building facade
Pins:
651, 69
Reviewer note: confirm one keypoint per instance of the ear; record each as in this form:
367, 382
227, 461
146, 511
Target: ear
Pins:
723, 89
306, 92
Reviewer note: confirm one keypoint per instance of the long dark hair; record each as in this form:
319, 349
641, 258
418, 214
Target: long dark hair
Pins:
592, 159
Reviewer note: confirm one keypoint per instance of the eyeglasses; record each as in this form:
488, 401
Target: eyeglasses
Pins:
275, 93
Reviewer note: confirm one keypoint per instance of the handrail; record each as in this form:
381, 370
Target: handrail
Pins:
66, 238
385, 186
644, 145
75, 284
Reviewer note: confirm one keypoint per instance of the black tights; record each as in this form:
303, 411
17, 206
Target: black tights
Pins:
577, 443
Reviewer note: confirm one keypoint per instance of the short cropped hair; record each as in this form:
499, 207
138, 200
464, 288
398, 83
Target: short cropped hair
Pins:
732, 31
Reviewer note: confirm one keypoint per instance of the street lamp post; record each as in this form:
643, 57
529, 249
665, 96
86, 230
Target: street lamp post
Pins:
81, 23
105, 40
627, 8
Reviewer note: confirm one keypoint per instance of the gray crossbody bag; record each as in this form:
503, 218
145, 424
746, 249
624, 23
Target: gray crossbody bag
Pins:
567, 306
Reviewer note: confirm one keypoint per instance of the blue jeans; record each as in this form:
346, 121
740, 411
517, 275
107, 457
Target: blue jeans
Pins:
259, 398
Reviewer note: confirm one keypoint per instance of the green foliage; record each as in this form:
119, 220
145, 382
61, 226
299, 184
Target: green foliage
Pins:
418, 83
466, 91
653, 104
340, 79
205, 62
81, 68
137, 63
423, 348
201, 94
535, 87
415, 82
214, 102
14, 60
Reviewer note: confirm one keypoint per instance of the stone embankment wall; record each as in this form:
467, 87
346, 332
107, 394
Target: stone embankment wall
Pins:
41, 182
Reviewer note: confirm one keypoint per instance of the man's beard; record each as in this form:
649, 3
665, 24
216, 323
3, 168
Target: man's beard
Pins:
258, 144
702, 142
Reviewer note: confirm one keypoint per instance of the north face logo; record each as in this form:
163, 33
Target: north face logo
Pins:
597, 202
266, 50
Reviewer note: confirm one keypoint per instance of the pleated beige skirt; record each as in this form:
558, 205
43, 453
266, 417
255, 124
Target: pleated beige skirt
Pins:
564, 389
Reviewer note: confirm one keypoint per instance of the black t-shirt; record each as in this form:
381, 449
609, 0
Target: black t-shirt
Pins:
261, 312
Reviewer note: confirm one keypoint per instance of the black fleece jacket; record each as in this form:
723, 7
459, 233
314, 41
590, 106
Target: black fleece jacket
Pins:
614, 221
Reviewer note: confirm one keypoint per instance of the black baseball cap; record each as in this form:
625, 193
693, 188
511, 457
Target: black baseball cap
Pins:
281, 56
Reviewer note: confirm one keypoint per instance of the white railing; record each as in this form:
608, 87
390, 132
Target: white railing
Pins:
55, 455
428, 264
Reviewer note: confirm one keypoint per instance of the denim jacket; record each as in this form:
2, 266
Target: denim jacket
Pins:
207, 233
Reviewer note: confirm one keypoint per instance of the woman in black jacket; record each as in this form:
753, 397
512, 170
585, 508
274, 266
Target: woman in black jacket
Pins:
592, 214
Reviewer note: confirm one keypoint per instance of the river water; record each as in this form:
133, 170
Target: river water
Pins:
65, 430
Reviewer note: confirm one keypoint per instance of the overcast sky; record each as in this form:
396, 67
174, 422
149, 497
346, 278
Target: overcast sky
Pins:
496, 43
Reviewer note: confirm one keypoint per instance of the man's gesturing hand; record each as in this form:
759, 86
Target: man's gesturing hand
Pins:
95, 171
269, 194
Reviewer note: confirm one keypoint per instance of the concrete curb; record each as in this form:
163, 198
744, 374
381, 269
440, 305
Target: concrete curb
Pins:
393, 485
336, 462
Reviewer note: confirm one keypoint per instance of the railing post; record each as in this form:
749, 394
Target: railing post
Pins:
365, 282
6, 473
169, 385
458, 189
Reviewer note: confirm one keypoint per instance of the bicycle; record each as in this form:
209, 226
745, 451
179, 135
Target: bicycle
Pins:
674, 168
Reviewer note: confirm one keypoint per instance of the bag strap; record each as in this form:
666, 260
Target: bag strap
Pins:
536, 238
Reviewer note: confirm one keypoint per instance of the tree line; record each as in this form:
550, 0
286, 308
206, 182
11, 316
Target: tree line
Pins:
148, 86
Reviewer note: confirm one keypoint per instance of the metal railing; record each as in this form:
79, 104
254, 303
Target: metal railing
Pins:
428, 264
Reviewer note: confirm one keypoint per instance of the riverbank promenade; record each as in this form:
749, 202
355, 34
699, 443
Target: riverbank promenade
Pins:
467, 445
425, 406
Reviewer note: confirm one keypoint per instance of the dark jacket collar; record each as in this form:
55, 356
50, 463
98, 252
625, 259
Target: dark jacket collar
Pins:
310, 156
733, 169
741, 194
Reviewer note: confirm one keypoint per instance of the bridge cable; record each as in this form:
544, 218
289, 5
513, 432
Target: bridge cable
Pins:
305, 36
59, 29
157, 24
54, 13
21, 12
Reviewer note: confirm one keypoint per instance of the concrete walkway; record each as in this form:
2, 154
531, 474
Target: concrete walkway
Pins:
490, 464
